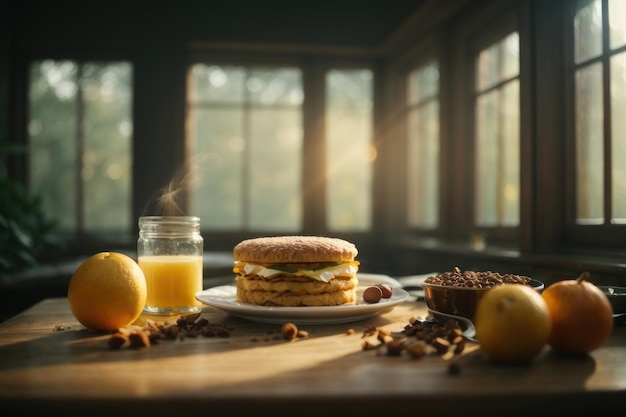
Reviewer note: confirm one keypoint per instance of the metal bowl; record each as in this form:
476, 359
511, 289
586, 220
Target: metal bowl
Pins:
459, 301
617, 297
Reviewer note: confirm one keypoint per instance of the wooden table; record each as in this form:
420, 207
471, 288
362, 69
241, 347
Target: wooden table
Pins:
50, 363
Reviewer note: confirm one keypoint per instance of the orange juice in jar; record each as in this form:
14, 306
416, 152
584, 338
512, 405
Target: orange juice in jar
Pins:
173, 282
169, 252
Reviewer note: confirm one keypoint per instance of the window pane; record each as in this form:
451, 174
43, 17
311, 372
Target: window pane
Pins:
497, 157
275, 170
423, 84
487, 124
52, 138
617, 23
423, 166
217, 83
497, 146
510, 154
498, 63
107, 157
423, 147
275, 86
245, 147
219, 146
84, 109
588, 30
618, 143
349, 149
589, 145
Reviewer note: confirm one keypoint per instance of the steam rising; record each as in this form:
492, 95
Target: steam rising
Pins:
170, 200
167, 201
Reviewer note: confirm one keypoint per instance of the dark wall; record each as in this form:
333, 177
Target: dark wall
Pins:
129, 24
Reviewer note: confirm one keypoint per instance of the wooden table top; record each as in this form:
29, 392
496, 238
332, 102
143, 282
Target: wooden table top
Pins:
48, 361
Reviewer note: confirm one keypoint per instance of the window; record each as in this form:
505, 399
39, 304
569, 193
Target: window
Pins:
80, 143
497, 134
349, 149
245, 147
423, 147
599, 66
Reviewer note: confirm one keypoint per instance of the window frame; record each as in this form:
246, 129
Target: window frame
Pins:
80, 143
456, 51
395, 140
247, 107
506, 236
313, 65
606, 239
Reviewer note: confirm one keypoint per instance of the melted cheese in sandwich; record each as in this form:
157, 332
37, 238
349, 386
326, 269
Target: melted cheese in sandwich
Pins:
322, 274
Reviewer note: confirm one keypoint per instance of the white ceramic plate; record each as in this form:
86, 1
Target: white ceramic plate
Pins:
413, 284
224, 298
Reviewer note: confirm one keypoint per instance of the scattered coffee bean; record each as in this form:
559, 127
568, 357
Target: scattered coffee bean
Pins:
418, 338
153, 331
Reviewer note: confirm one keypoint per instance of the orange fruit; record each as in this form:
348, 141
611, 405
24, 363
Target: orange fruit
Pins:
582, 315
107, 291
512, 323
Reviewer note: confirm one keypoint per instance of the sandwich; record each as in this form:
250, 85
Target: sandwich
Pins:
293, 271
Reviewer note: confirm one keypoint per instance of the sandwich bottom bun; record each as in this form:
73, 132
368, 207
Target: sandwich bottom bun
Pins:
294, 271
296, 297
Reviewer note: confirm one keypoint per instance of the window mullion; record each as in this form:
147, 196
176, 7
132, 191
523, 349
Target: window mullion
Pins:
247, 157
606, 102
80, 150
500, 139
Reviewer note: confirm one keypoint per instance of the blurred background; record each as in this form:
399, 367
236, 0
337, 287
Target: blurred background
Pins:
483, 134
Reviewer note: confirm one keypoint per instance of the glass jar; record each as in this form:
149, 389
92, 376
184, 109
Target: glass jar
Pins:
169, 252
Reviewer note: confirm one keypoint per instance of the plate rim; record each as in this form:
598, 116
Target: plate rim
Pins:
307, 314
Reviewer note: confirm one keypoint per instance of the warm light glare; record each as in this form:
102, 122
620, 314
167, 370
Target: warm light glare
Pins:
373, 153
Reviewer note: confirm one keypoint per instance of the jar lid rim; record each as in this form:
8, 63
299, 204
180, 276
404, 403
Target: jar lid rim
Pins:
168, 219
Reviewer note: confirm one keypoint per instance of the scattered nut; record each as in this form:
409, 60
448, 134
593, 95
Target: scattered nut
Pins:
459, 346
367, 345
289, 331
370, 332
384, 338
419, 338
117, 340
417, 349
139, 339
152, 332
386, 332
441, 345
385, 289
395, 346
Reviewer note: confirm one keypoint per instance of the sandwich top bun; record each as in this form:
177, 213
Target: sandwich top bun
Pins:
294, 249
